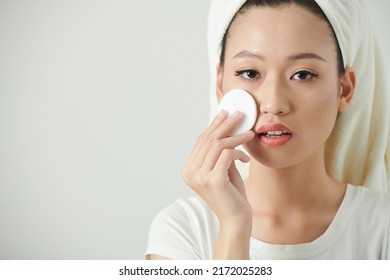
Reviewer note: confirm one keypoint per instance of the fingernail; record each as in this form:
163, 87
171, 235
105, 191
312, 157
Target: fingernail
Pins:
220, 114
235, 115
247, 159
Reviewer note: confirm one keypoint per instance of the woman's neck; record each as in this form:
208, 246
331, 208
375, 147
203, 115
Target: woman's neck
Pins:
302, 187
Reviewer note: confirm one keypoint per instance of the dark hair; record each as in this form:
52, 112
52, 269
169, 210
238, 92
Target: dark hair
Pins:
309, 5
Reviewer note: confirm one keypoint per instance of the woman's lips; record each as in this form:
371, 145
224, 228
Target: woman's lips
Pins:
274, 135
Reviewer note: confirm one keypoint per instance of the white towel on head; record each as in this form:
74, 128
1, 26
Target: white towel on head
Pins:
358, 150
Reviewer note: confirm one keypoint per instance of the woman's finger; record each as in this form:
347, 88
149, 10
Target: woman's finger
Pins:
198, 149
229, 143
228, 126
221, 128
227, 158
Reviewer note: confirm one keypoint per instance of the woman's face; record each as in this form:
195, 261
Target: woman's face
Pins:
286, 59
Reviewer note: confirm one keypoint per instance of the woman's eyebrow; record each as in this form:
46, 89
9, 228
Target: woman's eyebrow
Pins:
248, 54
306, 55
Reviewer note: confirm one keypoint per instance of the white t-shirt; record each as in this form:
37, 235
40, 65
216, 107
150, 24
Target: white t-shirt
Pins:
188, 229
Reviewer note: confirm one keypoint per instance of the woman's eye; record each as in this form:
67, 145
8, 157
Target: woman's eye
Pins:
304, 76
248, 74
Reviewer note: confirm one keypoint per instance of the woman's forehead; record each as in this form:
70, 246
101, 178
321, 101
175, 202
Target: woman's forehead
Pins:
279, 31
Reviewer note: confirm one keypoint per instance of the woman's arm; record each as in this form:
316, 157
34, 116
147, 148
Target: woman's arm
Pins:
233, 242
212, 174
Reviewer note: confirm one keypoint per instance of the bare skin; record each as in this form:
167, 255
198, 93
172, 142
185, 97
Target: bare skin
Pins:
289, 66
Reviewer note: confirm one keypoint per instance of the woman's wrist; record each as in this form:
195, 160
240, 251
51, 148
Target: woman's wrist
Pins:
233, 241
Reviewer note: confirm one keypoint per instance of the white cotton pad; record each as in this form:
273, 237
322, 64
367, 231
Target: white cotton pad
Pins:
242, 101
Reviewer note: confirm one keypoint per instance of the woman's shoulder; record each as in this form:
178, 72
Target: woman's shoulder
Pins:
374, 205
185, 208
370, 197
186, 229
370, 221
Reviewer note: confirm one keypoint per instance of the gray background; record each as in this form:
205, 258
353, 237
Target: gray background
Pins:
100, 104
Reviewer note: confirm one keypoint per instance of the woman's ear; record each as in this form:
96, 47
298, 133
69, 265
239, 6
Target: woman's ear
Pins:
219, 81
347, 84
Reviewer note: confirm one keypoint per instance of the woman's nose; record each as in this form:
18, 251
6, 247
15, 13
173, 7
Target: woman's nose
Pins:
272, 98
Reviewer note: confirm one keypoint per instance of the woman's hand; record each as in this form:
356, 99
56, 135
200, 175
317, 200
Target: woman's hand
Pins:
211, 172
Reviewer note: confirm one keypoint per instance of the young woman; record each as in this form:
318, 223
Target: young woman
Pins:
287, 55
